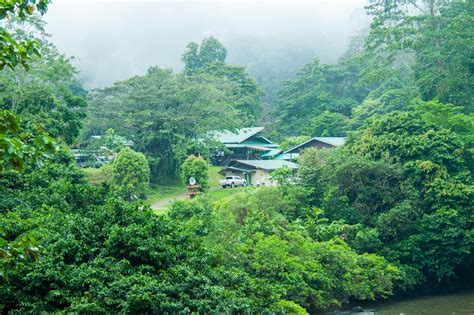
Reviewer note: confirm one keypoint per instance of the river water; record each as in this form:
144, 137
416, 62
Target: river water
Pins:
452, 304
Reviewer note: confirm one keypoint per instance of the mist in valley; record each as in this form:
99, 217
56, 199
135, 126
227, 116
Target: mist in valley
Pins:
114, 40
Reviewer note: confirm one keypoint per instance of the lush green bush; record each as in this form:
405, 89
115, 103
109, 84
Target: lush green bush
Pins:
284, 263
84, 249
400, 185
198, 168
131, 174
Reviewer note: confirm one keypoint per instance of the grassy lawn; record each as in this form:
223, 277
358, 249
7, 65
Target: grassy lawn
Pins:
156, 193
213, 196
96, 176
223, 193
159, 192
214, 176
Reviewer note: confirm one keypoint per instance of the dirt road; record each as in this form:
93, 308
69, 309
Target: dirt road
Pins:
163, 203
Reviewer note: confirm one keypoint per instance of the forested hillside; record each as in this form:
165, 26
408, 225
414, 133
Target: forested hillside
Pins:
423, 55
388, 214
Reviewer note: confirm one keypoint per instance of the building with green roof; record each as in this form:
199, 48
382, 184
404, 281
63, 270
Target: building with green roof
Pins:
250, 155
316, 142
257, 172
241, 144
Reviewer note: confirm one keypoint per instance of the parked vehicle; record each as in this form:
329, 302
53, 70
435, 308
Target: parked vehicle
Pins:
233, 181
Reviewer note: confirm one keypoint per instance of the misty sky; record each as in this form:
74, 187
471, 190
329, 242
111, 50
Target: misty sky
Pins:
113, 40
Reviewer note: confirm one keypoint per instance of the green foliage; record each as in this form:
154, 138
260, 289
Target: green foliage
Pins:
12, 50
18, 146
435, 36
198, 168
96, 176
390, 211
325, 90
284, 264
387, 98
47, 96
403, 137
283, 175
350, 187
449, 117
89, 251
130, 261
113, 142
214, 176
197, 57
420, 49
287, 307
130, 174
328, 124
23, 139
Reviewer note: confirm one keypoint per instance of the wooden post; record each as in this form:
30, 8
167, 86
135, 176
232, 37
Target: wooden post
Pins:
193, 190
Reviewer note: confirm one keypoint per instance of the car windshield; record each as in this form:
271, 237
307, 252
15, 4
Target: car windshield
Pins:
230, 177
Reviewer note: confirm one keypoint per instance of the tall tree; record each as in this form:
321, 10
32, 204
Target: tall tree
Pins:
47, 95
15, 146
197, 57
434, 38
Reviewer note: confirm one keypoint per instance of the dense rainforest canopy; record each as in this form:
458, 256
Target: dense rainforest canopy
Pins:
418, 49
388, 213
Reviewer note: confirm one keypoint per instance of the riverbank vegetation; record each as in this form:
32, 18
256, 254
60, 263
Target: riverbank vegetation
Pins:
388, 213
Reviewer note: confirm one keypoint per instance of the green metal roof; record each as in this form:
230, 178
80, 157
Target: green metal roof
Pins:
260, 144
233, 168
240, 135
251, 144
335, 141
332, 141
268, 164
287, 156
271, 153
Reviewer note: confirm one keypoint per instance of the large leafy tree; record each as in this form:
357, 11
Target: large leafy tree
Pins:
197, 57
404, 185
16, 148
435, 162
43, 100
46, 96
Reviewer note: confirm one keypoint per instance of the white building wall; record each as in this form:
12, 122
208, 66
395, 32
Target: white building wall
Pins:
259, 177
262, 177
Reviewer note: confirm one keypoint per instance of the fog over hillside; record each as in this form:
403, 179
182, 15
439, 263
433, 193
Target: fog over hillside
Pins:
114, 40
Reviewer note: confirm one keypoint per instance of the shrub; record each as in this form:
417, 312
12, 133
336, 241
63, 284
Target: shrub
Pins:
196, 167
131, 174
